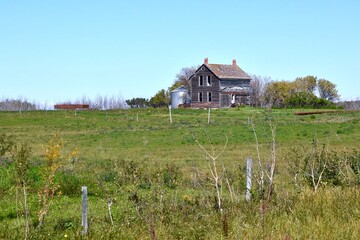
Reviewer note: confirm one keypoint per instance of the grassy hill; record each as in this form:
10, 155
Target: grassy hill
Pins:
160, 184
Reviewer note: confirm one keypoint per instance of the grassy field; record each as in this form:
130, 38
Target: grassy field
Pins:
159, 181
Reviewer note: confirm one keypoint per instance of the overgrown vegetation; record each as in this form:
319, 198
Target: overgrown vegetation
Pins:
148, 178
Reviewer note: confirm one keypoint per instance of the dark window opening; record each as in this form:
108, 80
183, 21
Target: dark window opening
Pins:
208, 80
209, 96
200, 97
201, 81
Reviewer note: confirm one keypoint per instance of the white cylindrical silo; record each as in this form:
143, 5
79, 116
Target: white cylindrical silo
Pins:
179, 96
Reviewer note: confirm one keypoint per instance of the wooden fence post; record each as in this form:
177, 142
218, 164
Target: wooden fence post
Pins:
170, 114
209, 116
84, 221
248, 178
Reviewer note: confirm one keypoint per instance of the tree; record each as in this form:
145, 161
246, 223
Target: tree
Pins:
138, 102
305, 84
182, 78
19, 104
307, 100
161, 99
21, 155
327, 90
276, 93
257, 89
54, 159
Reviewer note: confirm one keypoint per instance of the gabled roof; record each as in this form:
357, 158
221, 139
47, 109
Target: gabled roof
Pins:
224, 71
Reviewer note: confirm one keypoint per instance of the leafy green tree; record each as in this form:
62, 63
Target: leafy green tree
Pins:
307, 100
137, 102
276, 93
161, 99
305, 84
327, 90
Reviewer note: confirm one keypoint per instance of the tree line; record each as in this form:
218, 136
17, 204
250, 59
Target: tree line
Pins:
308, 92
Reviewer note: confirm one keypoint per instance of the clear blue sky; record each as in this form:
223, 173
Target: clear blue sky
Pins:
63, 50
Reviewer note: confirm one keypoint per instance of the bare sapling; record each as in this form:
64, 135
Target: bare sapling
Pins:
273, 161
261, 180
213, 167
269, 173
266, 172
317, 167
109, 203
109, 200
53, 160
230, 188
20, 155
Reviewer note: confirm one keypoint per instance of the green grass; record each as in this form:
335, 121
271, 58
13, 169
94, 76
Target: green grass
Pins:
161, 166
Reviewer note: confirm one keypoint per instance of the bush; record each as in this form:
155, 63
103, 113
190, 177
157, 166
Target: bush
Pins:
7, 180
132, 173
171, 175
69, 183
319, 166
307, 100
65, 224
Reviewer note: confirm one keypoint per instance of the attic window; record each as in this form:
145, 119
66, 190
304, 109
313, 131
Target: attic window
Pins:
201, 81
208, 80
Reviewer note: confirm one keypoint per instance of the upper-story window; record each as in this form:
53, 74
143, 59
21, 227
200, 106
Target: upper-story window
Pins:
208, 80
201, 81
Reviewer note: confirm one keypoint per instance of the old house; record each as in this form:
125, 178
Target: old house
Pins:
219, 85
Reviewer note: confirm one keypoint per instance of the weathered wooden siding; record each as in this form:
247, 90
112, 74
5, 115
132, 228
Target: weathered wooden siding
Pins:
235, 83
205, 89
240, 97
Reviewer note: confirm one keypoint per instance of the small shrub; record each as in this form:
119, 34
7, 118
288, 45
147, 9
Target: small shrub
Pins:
171, 175
69, 183
7, 180
65, 224
320, 166
109, 176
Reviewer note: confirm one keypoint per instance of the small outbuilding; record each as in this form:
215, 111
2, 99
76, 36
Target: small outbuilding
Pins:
180, 96
71, 106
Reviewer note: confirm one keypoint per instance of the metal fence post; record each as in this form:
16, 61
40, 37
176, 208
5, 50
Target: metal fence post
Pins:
209, 116
170, 114
84, 221
248, 178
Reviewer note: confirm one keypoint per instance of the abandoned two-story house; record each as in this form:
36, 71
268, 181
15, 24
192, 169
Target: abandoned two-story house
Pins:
219, 85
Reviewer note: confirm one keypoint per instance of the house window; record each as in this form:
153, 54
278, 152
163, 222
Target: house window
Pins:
201, 83
209, 96
208, 81
200, 97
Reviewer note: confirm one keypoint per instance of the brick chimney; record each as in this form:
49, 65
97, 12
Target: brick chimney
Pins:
234, 62
206, 61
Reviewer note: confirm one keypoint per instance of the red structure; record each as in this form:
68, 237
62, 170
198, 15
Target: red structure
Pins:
71, 106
